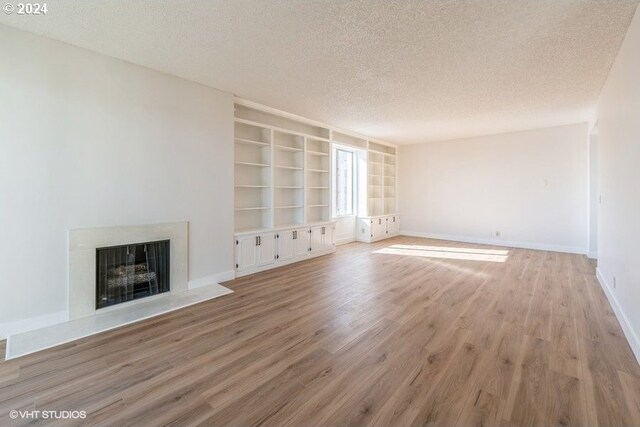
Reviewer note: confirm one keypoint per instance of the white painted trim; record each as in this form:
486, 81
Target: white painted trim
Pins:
497, 242
212, 279
266, 109
24, 325
629, 333
593, 254
345, 238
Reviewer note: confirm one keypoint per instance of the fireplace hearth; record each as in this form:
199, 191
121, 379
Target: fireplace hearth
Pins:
130, 272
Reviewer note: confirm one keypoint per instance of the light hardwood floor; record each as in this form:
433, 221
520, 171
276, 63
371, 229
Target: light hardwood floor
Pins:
412, 337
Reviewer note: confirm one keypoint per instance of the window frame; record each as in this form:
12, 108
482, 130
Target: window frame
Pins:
334, 187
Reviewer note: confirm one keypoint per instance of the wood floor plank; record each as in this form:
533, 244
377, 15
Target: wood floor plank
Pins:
414, 392
604, 392
500, 366
447, 399
256, 406
362, 337
483, 410
527, 402
631, 388
566, 404
564, 356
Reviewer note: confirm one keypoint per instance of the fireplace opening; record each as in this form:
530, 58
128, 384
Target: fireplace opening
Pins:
128, 272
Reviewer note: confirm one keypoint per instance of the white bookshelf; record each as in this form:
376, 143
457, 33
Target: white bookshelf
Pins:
381, 179
283, 178
318, 180
283, 171
252, 161
288, 178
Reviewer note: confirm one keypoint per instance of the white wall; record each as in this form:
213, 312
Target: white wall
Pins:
593, 195
345, 229
89, 141
531, 186
619, 185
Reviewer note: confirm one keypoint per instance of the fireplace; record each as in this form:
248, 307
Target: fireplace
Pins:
130, 272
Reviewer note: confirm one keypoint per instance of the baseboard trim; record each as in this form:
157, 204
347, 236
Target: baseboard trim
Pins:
212, 279
37, 322
629, 333
496, 242
593, 254
344, 239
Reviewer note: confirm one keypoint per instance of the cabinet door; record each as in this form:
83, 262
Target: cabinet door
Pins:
246, 252
317, 239
329, 235
379, 229
394, 224
266, 248
363, 226
301, 242
285, 243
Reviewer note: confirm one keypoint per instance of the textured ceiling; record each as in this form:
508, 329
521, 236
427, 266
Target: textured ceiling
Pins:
402, 71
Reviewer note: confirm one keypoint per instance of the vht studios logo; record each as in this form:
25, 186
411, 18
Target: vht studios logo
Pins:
48, 415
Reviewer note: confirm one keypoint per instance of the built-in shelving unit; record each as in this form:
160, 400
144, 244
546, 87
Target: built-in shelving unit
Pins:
282, 189
283, 170
283, 179
318, 179
377, 184
381, 179
252, 176
288, 178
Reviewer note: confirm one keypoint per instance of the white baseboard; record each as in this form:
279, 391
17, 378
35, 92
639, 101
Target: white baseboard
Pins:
497, 242
345, 238
24, 325
593, 254
629, 333
213, 279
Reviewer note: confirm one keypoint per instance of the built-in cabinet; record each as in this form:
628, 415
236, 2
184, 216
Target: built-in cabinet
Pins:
322, 238
381, 179
374, 228
254, 251
282, 189
261, 251
283, 178
382, 220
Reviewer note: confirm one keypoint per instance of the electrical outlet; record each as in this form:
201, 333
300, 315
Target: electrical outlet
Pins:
497, 234
614, 282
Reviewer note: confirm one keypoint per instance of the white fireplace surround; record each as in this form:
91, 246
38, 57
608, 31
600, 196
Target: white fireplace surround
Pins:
82, 259
84, 320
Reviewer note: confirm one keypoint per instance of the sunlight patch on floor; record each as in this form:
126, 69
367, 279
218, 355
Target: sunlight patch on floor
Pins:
453, 249
459, 268
468, 254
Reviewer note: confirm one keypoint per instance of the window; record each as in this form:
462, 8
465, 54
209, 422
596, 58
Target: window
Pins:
344, 176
